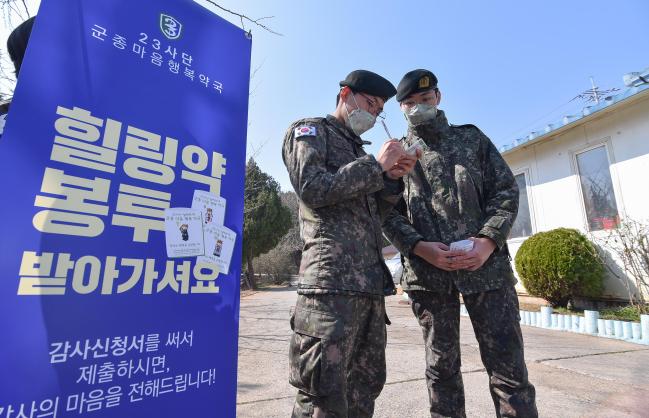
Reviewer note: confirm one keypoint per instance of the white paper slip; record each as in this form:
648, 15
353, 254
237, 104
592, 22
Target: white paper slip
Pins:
465, 245
184, 232
418, 145
211, 206
219, 245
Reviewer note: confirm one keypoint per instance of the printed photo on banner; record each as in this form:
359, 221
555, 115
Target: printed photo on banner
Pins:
219, 244
211, 206
183, 232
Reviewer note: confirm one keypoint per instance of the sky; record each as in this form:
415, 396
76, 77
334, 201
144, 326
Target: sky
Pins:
508, 67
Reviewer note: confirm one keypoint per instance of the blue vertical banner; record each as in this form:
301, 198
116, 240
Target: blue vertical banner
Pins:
122, 172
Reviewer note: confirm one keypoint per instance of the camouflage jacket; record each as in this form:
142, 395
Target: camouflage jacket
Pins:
343, 197
461, 187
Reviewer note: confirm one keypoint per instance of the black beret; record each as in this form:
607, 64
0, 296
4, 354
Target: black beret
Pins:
17, 42
368, 82
414, 82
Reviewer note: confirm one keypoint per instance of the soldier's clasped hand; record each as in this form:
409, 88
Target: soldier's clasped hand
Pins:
437, 254
474, 259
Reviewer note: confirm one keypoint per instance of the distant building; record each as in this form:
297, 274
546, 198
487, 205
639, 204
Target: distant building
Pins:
587, 171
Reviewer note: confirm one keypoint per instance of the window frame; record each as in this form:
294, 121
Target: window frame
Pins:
526, 172
608, 150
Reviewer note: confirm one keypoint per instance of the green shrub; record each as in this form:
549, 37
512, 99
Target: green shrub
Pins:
626, 313
558, 265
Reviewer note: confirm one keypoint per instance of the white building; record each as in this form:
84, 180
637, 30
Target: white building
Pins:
587, 171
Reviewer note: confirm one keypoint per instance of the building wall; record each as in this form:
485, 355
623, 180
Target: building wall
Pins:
553, 185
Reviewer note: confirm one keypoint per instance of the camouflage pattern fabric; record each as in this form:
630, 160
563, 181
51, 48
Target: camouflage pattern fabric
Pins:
460, 188
337, 351
337, 355
495, 319
343, 198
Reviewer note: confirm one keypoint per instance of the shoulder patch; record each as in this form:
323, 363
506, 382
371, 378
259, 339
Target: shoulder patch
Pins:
304, 131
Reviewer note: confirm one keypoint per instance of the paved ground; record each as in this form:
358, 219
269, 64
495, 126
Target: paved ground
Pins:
575, 375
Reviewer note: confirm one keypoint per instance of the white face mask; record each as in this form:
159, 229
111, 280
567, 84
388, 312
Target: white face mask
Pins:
359, 120
420, 113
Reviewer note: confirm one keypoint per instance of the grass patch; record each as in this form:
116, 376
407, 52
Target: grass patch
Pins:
566, 311
623, 313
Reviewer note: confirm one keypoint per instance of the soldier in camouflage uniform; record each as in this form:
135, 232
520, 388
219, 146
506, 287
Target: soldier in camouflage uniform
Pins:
461, 188
337, 351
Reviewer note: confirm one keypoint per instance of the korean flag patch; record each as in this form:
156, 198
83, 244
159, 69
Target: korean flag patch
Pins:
304, 131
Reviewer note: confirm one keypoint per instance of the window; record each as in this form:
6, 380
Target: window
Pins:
597, 189
523, 225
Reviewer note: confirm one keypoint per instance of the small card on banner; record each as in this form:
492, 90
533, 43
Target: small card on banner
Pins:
211, 206
184, 232
219, 245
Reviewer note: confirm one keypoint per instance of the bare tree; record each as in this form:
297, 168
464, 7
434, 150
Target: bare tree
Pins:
7, 77
284, 260
14, 12
628, 243
245, 18
14, 9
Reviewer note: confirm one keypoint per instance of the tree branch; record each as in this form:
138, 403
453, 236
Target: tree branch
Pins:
26, 9
243, 17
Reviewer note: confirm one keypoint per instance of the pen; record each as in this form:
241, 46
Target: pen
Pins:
386, 129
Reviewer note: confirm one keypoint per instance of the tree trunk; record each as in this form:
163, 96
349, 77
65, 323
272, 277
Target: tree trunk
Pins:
250, 273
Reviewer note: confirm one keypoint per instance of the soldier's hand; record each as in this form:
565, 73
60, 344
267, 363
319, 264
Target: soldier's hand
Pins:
390, 154
437, 254
474, 259
404, 165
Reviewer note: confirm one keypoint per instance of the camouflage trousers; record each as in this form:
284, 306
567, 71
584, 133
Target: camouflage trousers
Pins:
337, 355
495, 318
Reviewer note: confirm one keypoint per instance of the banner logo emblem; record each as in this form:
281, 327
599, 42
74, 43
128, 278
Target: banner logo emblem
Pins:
170, 26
